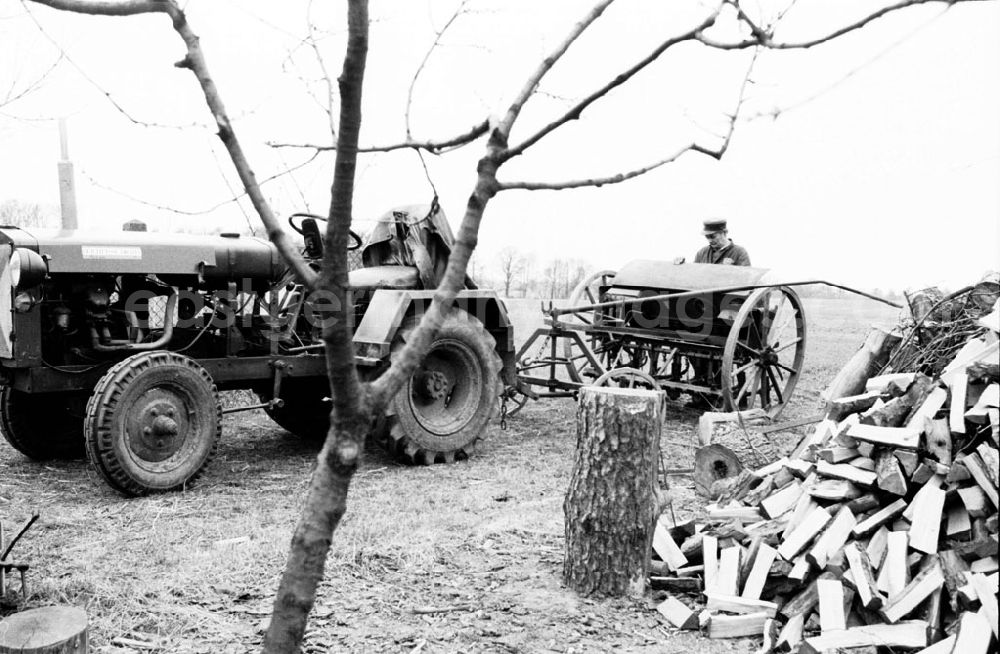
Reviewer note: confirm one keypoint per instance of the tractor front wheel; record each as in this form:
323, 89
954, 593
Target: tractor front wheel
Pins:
437, 416
153, 423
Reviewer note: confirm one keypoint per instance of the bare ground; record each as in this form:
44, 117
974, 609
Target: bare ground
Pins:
461, 558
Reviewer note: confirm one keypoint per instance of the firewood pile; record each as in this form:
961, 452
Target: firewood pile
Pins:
878, 530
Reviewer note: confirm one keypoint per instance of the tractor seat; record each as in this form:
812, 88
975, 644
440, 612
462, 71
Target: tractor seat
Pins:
390, 277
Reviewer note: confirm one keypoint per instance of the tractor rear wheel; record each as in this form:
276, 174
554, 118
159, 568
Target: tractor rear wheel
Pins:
305, 411
440, 412
153, 423
42, 426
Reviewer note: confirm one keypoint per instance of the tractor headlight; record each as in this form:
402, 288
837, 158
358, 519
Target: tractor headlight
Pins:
27, 269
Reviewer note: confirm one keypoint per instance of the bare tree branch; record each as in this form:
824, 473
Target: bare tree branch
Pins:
194, 212
575, 112
434, 147
765, 39
195, 62
507, 123
715, 153
107, 7
596, 181
14, 95
423, 62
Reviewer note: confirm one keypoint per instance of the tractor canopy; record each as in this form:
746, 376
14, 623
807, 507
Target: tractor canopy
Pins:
414, 235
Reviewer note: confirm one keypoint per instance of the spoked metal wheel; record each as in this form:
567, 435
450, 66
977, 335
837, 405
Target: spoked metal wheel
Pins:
627, 378
587, 292
763, 356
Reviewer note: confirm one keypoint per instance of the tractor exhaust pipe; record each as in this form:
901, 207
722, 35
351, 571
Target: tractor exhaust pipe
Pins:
67, 185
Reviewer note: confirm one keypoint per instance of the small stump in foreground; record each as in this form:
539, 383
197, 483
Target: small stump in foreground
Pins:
612, 503
48, 630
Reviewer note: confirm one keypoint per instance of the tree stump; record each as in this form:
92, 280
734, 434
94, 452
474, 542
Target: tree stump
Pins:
48, 630
611, 505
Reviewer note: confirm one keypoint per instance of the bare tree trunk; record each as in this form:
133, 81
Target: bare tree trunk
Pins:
612, 502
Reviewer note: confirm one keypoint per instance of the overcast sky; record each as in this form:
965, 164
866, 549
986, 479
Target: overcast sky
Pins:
882, 170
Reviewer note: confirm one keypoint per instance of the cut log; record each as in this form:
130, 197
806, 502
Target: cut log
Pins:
873, 522
985, 565
791, 635
959, 525
938, 435
803, 507
864, 504
781, 501
678, 614
919, 589
664, 545
880, 384
958, 383
908, 461
975, 467
838, 454
991, 463
758, 573
926, 411
987, 598
943, 646
739, 513
847, 472
931, 485
889, 473
911, 634
834, 490
837, 410
46, 630
973, 636
733, 604
904, 437
974, 500
877, 546
926, 526
895, 572
831, 605
710, 559
805, 601
863, 577
610, 506
737, 626
833, 538
803, 534
728, 577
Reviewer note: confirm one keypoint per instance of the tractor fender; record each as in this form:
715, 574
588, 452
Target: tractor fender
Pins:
389, 308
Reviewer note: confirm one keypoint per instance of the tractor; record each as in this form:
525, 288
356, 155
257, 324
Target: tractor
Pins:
116, 345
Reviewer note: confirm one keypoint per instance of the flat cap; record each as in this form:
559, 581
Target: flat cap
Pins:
714, 225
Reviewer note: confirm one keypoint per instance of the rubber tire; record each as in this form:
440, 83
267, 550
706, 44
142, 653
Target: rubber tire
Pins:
109, 447
406, 435
40, 426
304, 412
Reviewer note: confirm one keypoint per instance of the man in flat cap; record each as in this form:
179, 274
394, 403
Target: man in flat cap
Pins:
720, 248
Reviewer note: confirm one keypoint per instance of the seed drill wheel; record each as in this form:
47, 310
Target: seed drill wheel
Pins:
763, 356
587, 292
42, 426
153, 423
306, 411
627, 378
444, 407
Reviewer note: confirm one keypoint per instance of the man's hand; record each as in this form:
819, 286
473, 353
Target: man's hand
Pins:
678, 260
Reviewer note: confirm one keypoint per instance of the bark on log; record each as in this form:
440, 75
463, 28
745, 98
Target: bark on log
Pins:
872, 355
48, 630
611, 507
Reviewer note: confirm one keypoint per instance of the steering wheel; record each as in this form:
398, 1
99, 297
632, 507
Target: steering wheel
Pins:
298, 228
